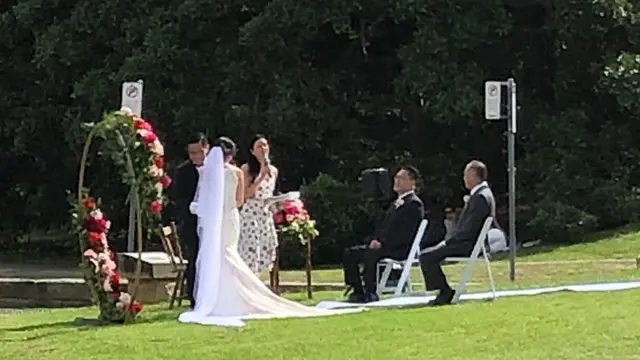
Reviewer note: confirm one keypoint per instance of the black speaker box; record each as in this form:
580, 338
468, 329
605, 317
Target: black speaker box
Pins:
376, 184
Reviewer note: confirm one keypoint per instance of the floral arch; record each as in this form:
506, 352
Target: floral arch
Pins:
133, 145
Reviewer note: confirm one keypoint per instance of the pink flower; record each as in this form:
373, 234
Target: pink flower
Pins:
148, 136
108, 266
91, 254
156, 206
140, 124
293, 207
159, 162
303, 215
289, 218
278, 217
165, 181
157, 148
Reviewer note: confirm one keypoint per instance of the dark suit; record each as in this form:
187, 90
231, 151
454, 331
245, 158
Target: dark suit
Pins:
184, 189
396, 235
463, 238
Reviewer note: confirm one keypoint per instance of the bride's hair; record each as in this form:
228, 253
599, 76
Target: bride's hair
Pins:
227, 146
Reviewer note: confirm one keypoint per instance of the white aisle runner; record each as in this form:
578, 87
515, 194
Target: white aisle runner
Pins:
423, 299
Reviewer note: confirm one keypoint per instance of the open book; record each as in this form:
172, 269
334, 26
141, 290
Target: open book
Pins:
292, 195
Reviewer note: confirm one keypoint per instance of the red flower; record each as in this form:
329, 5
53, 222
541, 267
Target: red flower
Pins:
149, 137
136, 307
92, 224
165, 181
115, 280
279, 217
89, 203
140, 124
156, 206
159, 162
95, 240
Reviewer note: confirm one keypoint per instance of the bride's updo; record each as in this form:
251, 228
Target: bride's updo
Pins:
227, 146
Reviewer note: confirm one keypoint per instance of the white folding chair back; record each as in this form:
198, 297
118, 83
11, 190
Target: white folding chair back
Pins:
386, 265
471, 260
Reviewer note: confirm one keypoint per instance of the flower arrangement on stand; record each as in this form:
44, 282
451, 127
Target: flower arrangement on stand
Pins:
293, 220
132, 144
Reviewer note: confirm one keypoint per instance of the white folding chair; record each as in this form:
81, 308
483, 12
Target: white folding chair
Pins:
471, 260
386, 265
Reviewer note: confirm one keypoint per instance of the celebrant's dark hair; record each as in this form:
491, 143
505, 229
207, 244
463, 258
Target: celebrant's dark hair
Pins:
252, 161
227, 145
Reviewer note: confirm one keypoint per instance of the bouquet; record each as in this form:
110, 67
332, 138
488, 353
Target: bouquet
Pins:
294, 220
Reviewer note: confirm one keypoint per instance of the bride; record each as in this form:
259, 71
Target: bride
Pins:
226, 290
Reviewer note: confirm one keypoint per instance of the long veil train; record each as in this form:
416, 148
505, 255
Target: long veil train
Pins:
226, 290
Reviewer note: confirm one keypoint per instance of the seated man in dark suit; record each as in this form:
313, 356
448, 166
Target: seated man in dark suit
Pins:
392, 241
481, 205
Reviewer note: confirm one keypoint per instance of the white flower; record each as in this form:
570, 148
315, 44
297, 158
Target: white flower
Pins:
159, 189
142, 132
155, 171
157, 148
96, 214
106, 286
125, 110
125, 298
119, 305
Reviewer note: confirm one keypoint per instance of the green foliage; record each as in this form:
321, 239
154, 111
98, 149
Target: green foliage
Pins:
558, 222
338, 86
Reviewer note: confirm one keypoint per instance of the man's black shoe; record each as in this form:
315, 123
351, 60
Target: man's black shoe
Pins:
371, 297
444, 298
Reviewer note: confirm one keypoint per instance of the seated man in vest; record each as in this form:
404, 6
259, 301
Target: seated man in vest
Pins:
392, 241
481, 205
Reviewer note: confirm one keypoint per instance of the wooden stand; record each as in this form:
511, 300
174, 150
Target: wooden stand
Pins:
274, 274
308, 270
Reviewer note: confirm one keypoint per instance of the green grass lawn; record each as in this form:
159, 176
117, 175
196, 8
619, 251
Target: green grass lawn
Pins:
559, 326
554, 326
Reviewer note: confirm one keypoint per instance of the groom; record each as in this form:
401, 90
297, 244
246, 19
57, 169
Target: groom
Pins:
392, 241
184, 189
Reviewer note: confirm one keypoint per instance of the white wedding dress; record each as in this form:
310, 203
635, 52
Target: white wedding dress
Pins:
227, 292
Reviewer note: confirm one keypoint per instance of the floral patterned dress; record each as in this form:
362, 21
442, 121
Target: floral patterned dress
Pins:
258, 238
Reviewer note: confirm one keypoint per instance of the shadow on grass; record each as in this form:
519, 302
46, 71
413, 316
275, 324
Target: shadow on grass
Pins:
44, 330
40, 331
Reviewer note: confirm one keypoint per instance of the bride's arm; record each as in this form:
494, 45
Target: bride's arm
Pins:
240, 188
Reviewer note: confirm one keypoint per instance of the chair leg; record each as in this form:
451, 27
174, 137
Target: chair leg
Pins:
460, 289
404, 277
382, 285
175, 291
491, 282
181, 289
